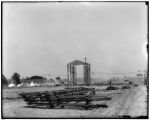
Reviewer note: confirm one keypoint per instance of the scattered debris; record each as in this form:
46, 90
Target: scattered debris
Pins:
126, 87
91, 107
111, 88
101, 98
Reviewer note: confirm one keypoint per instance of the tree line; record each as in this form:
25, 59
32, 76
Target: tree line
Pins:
15, 78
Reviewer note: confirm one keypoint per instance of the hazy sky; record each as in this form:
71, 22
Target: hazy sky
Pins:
41, 38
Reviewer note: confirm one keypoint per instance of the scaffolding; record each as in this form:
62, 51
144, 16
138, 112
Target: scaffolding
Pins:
72, 72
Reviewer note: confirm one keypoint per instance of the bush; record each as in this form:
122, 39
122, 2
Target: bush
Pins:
36, 77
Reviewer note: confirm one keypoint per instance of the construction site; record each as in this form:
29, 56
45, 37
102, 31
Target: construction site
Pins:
79, 59
120, 99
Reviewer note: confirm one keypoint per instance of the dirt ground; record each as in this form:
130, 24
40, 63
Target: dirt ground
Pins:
129, 102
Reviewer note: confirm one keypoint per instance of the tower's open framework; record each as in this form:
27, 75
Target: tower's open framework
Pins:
72, 72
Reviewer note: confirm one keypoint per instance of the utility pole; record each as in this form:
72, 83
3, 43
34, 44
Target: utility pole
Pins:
85, 73
85, 59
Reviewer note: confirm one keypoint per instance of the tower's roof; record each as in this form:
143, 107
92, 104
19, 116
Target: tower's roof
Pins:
77, 62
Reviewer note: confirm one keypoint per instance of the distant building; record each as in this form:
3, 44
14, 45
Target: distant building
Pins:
127, 82
135, 80
39, 82
115, 81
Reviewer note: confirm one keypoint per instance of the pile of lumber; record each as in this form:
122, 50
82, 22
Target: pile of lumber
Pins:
55, 98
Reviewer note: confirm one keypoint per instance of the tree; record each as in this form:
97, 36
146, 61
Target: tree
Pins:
4, 80
59, 80
36, 77
16, 78
27, 78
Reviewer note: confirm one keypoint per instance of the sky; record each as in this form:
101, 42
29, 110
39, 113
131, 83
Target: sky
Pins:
41, 38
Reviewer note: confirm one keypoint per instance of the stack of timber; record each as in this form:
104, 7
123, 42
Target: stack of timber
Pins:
58, 97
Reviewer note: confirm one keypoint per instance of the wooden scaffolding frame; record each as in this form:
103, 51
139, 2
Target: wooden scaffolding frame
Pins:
72, 72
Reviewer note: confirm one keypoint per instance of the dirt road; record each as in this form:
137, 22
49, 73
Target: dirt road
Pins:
130, 102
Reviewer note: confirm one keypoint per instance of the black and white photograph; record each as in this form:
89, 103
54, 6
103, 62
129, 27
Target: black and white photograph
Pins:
74, 59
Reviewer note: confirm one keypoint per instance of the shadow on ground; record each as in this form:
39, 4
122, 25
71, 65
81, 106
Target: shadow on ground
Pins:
67, 106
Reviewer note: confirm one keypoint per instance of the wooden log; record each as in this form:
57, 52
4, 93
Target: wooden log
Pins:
56, 98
